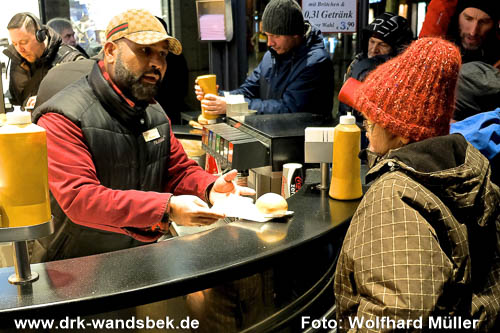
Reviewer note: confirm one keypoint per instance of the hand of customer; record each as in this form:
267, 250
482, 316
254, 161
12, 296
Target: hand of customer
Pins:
189, 210
224, 186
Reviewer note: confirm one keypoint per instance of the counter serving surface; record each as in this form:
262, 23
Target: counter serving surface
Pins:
174, 267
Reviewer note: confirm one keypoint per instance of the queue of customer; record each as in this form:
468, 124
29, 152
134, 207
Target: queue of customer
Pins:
425, 240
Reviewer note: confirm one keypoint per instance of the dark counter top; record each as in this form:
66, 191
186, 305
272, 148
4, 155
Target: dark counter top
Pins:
186, 132
279, 125
173, 267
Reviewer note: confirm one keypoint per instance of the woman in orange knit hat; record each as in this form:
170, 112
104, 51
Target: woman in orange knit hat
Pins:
422, 250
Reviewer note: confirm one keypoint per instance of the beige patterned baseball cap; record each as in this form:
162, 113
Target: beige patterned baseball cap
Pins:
141, 27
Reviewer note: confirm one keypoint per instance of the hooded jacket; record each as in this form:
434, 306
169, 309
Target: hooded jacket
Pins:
424, 242
25, 77
299, 81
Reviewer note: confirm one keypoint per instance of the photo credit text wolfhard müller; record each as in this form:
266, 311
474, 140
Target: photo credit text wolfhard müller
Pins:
380, 323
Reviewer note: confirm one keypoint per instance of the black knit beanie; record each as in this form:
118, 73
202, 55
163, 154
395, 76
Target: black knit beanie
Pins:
490, 7
283, 17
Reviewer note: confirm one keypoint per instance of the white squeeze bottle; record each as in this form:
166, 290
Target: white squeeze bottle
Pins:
346, 178
24, 188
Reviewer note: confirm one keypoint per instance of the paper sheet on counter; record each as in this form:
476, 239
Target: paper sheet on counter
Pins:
239, 207
244, 208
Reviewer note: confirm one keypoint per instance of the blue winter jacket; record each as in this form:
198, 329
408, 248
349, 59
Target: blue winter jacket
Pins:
482, 131
299, 81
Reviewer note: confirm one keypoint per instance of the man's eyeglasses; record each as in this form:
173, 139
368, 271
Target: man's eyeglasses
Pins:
368, 126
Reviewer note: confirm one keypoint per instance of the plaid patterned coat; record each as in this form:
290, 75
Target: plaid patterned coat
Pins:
424, 242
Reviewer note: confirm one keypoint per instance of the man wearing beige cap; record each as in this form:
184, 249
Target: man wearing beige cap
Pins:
117, 174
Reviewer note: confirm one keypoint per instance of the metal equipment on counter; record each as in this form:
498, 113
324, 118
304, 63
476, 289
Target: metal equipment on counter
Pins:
318, 148
260, 144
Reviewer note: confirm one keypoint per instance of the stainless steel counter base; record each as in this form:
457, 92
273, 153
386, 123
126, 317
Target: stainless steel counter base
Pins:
15, 234
19, 236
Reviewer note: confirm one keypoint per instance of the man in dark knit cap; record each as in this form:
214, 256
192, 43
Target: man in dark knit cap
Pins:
471, 24
477, 22
295, 75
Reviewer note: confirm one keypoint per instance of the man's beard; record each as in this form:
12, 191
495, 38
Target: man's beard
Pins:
468, 46
131, 84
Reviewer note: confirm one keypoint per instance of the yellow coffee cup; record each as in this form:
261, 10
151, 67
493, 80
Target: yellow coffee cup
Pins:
208, 84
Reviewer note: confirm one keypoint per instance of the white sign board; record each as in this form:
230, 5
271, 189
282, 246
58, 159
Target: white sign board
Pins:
331, 15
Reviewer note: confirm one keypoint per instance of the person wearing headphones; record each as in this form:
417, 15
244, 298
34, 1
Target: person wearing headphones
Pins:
34, 50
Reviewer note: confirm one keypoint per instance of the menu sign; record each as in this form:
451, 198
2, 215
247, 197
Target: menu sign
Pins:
331, 15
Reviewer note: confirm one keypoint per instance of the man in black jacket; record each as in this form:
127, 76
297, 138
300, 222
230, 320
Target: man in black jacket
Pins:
295, 75
34, 50
381, 40
64, 28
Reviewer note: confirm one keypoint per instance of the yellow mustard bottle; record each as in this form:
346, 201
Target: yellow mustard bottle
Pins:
346, 177
24, 187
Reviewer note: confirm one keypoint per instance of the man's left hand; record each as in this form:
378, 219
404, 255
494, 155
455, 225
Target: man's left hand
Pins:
224, 186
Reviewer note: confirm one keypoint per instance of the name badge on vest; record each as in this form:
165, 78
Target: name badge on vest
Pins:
151, 134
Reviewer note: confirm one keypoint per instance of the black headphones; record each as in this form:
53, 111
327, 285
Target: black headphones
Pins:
40, 29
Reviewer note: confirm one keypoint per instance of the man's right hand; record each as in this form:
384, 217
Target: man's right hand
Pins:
189, 210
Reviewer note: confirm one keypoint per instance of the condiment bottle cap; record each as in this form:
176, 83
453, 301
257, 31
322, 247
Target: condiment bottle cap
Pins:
18, 117
348, 119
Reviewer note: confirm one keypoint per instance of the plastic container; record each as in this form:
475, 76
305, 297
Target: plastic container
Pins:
346, 170
209, 85
24, 187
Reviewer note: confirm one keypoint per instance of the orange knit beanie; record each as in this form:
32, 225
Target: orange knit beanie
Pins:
413, 94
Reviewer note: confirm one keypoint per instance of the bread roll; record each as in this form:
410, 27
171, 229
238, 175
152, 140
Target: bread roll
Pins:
271, 203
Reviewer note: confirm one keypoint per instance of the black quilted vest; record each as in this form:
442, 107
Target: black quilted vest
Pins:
113, 132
